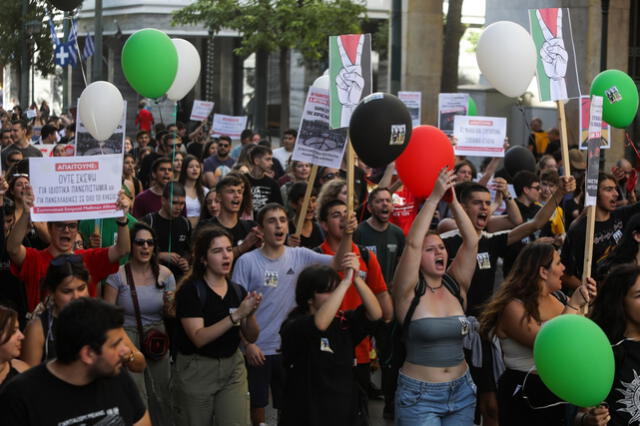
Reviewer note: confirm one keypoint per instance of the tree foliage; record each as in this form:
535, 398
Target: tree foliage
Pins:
272, 25
11, 34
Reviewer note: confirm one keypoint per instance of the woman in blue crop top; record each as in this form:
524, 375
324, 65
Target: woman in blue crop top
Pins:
529, 296
434, 385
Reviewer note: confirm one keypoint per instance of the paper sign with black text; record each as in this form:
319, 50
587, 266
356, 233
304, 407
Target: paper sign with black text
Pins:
593, 153
228, 125
479, 136
201, 110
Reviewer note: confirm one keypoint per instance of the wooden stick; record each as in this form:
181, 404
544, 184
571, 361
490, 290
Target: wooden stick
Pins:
562, 118
305, 202
350, 176
588, 243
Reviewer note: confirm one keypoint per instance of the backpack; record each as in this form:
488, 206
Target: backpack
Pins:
397, 350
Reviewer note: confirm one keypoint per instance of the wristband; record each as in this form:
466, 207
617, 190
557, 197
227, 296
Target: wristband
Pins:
235, 323
125, 223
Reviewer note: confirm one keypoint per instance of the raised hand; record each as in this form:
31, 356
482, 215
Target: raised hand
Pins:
446, 180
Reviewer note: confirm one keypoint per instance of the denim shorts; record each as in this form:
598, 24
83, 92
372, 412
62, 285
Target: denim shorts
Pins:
421, 403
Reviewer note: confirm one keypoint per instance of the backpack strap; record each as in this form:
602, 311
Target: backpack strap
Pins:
452, 285
421, 287
558, 294
364, 254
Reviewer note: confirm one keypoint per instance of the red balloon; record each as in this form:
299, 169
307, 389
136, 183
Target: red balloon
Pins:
419, 165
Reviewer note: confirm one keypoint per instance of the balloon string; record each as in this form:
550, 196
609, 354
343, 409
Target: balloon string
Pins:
173, 162
633, 145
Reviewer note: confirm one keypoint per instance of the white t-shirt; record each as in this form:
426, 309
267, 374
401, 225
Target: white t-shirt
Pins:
193, 204
283, 156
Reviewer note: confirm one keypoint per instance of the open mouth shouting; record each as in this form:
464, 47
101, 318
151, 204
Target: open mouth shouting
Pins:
481, 220
440, 266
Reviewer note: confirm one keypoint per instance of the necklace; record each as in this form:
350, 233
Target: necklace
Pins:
433, 289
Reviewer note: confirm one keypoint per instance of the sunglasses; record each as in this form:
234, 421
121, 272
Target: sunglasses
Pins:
66, 258
141, 242
61, 226
330, 176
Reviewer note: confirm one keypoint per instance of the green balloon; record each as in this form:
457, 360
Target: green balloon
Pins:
620, 97
574, 360
149, 62
471, 107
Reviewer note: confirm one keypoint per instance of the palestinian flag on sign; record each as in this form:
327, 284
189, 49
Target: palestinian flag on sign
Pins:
556, 67
349, 75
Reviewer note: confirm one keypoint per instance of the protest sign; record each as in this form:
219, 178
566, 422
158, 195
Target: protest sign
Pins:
349, 75
593, 153
450, 105
556, 67
201, 110
479, 136
73, 188
605, 132
86, 145
31, 113
316, 143
413, 101
228, 125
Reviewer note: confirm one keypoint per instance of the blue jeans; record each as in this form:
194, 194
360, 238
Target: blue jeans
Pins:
421, 403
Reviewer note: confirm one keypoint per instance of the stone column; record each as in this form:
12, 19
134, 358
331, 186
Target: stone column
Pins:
422, 26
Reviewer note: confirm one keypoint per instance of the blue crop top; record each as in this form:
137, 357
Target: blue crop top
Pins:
437, 342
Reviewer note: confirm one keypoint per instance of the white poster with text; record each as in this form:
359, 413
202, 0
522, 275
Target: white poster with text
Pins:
413, 102
479, 136
201, 110
228, 125
74, 188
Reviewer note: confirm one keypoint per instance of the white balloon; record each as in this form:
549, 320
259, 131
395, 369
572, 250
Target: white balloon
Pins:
100, 108
506, 55
321, 82
188, 69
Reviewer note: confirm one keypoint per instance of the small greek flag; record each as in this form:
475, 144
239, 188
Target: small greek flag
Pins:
71, 43
89, 48
54, 35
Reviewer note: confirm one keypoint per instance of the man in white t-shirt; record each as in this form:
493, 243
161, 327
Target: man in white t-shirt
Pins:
283, 154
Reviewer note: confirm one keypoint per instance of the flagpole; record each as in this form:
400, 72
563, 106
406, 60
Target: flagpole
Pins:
97, 60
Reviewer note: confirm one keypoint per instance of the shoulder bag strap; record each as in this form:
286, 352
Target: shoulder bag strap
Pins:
421, 286
136, 306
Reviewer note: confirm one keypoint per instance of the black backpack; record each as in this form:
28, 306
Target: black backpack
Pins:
398, 351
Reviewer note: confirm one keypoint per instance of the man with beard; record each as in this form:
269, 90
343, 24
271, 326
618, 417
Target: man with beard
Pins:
150, 200
476, 201
86, 383
220, 159
610, 221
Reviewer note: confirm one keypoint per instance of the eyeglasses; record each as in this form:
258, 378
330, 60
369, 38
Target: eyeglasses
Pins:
66, 258
141, 242
329, 176
175, 146
61, 226
537, 188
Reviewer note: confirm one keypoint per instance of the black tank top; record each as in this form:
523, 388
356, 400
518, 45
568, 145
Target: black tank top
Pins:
12, 372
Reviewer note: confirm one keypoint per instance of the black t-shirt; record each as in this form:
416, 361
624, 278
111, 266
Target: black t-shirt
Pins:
312, 241
214, 309
319, 383
606, 236
37, 397
387, 246
624, 404
238, 232
264, 191
491, 247
174, 234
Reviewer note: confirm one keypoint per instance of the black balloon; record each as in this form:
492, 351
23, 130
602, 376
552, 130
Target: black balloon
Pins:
380, 129
66, 5
519, 158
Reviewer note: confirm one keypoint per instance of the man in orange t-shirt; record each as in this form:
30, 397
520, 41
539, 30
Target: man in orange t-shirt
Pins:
332, 220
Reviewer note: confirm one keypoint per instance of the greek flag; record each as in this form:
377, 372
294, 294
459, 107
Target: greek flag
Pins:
71, 43
89, 48
54, 35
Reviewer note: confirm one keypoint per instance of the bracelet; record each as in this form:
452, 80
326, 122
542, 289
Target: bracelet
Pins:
508, 198
125, 223
234, 322
573, 307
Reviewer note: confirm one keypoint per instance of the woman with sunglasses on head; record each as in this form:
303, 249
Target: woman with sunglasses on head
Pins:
66, 280
318, 348
145, 289
210, 376
434, 382
191, 179
530, 296
11, 339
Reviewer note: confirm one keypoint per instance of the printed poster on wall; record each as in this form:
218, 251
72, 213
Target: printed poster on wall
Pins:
74, 188
317, 143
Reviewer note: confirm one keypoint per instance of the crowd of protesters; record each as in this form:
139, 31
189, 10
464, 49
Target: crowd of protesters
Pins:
214, 306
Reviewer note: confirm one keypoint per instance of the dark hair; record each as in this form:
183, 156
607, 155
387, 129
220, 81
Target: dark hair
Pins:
237, 179
258, 151
468, 188
266, 209
314, 279
524, 179
377, 189
8, 317
231, 179
205, 151
626, 250
463, 163
292, 132
522, 284
204, 210
142, 133
199, 186
47, 130
608, 307
203, 240
158, 161
153, 262
225, 138
173, 189
83, 322
297, 191
550, 176
22, 123
61, 268
605, 176
246, 133
324, 209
